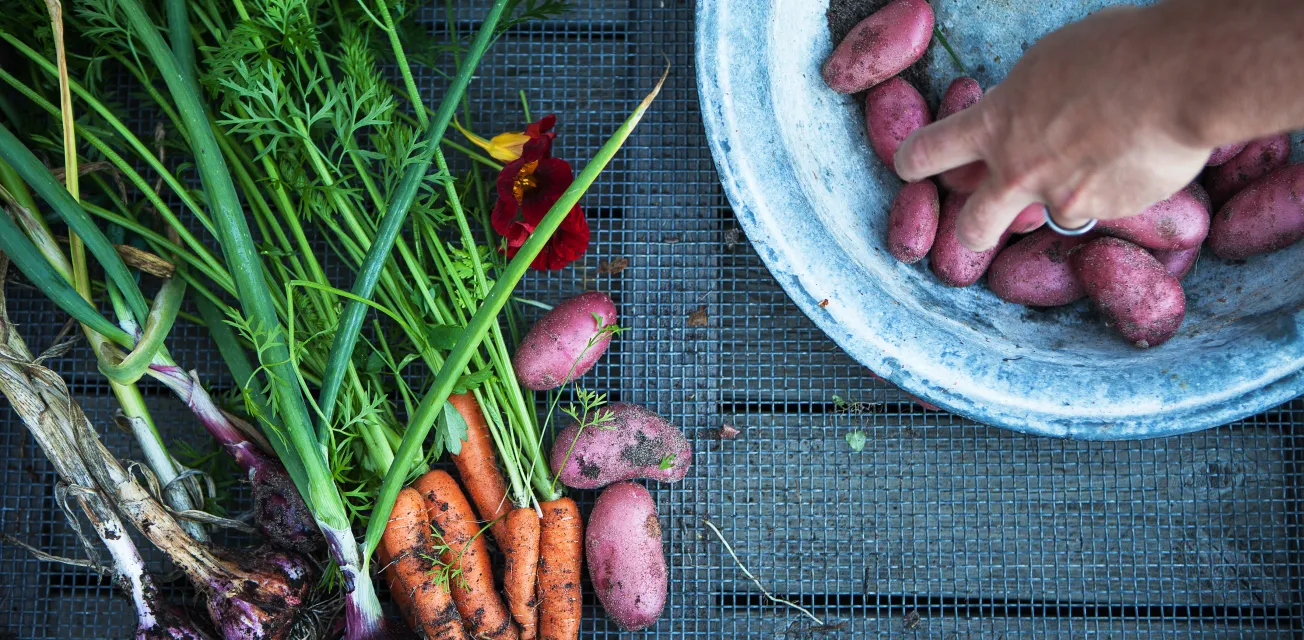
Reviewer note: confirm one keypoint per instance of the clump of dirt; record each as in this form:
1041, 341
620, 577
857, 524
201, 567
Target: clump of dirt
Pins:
843, 15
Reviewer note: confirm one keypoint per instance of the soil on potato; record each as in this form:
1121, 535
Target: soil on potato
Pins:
845, 14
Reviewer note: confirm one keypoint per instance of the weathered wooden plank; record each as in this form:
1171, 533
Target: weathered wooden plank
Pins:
979, 512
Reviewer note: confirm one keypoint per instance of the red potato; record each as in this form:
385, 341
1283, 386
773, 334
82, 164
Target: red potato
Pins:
893, 111
881, 46
1030, 219
1139, 298
1268, 215
1036, 272
1225, 153
1180, 222
1260, 158
626, 562
632, 443
557, 348
912, 222
963, 93
1178, 263
953, 263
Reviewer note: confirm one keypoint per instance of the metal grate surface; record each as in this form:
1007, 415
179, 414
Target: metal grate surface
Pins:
937, 528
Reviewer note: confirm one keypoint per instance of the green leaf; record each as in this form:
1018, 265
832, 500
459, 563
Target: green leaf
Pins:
375, 363
667, 462
857, 440
471, 381
454, 429
40, 272
443, 336
39, 178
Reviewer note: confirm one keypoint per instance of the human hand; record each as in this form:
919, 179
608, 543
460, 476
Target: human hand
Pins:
1090, 122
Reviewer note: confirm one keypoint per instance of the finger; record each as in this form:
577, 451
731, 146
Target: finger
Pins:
1086, 204
1030, 219
965, 179
987, 216
951, 143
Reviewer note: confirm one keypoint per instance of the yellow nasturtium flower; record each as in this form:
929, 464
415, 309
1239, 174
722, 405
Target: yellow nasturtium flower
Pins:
504, 147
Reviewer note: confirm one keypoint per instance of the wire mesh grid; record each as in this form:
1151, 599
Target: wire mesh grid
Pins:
935, 528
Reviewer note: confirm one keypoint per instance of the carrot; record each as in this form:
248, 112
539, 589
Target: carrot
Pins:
401, 596
478, 467
430, 608
521, 546
518, 537
561, 559
466, 556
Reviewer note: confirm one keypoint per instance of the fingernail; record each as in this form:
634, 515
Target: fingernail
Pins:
978, 245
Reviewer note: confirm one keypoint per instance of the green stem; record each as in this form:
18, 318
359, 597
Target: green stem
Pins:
423, 419
241, 254
34, 173
157, 326
118, 127
346, 336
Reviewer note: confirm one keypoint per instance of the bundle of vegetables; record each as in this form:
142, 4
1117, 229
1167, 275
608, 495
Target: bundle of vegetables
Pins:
283, 111
1248, 204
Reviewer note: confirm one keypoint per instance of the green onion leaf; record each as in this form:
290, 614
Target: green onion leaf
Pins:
28, 259
26, 164
157, 326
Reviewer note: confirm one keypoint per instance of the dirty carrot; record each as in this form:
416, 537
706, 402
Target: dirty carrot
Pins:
518, 537
401, 596
407, 541
465, 558
561, 558
520, 544
479, 467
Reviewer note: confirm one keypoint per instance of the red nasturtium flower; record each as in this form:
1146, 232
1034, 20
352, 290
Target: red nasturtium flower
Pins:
527, 187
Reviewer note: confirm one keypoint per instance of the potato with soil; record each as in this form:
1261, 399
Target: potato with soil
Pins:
1266, 216
1139, 298
626, 562
912, 221
1260, 158
963, 93
893, 111
1180, 222
1222, 155
1035, 271
566, 342
631, 443
953, 263
1178, 263
880, 46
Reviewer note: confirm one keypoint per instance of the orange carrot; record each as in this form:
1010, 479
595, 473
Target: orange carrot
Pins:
518, 537
466, 557
407, 542
478, 467
561, 559
401, 596
521, 546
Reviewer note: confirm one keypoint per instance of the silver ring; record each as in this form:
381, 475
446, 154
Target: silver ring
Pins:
1050, 222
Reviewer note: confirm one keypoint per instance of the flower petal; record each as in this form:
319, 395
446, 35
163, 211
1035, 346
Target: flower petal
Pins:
507, 146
